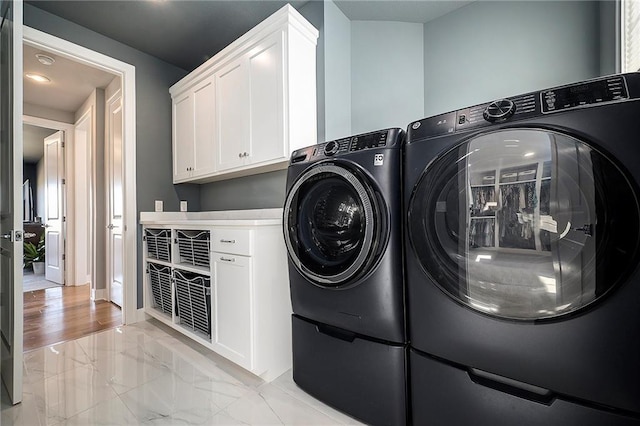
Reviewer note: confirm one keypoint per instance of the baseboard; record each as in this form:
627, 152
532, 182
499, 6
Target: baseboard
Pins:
141, 315
99, 294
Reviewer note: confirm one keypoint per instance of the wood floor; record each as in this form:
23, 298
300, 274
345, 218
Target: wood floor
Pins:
59, 314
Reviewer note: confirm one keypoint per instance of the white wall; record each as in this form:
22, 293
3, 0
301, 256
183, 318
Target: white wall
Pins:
492, 49
337, 72
387, 74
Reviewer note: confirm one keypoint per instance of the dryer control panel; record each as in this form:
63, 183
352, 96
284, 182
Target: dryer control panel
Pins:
374, 140
579, 95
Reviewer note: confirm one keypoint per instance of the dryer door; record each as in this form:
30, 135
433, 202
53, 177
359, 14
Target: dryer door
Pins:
332, 224
524, 224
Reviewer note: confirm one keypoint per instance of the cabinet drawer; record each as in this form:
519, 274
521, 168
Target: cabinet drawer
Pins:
233, 241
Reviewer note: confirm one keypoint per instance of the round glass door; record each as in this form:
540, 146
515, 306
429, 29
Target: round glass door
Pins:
331, 227
525, 224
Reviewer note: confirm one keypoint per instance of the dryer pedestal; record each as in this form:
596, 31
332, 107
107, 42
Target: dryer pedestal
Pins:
445, 394
363, 378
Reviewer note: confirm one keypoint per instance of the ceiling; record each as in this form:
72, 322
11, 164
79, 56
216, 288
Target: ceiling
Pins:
181, 32
71, 82
186, 33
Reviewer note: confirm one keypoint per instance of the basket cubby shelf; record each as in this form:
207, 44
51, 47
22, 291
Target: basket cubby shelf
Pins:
224, 286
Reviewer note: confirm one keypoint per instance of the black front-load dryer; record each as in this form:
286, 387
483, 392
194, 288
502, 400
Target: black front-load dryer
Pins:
342, 228
522, 235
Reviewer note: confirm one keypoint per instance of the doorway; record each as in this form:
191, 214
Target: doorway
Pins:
65, 152
41, 272
106, 233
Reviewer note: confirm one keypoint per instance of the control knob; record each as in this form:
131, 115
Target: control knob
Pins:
331, 148
499, 110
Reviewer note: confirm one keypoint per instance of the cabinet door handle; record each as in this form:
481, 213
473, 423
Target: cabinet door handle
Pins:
228, 241
239, 155
227, 259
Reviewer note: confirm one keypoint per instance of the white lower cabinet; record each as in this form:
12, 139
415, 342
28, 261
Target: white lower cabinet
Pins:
233, 317
224, 286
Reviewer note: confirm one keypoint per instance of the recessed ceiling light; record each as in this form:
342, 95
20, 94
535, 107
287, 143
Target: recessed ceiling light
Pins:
529, 154
37, 77
45, 59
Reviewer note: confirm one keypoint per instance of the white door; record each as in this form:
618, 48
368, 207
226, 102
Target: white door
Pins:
11, 323
232, 114
115, 197
232, 333
266, 140
183, 134
54, 207
204, 128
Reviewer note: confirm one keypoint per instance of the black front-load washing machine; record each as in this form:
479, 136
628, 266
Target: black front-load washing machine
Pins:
522, 240
342, 229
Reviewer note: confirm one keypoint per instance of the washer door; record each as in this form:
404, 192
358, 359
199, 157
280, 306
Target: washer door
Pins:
332, 224
524, 224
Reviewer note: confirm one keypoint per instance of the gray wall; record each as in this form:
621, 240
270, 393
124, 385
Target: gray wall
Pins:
266, 190
491, 49
387, 74
609, 39
153, 113
337, 72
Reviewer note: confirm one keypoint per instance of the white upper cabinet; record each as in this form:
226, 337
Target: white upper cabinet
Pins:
183, 137
194, 132
232, 99
259, 104
266, 93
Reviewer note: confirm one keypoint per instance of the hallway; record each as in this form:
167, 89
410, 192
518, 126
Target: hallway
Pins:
60, 314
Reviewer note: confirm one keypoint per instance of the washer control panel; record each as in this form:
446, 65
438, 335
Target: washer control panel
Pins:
387, 138
352, 144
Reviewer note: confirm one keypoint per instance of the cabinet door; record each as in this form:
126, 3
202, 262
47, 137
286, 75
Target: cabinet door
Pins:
267, 134
232, 108
232, 334
204, 128
183, 137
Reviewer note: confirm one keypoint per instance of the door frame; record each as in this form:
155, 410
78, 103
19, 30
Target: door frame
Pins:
126, 72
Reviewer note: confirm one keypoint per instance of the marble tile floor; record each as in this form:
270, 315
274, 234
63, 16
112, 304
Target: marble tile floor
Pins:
148, 374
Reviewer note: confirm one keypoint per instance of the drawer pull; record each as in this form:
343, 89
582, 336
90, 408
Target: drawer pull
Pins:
227, 259
228, 241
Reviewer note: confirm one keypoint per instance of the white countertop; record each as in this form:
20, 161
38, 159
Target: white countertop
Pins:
253, 217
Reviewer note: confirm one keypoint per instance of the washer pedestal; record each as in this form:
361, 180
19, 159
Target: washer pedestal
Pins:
363, 378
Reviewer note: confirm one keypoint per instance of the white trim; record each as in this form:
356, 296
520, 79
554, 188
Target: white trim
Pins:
14, 358
126, 71
116, 97
84, 272
142, 315
619, 37
98, 294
